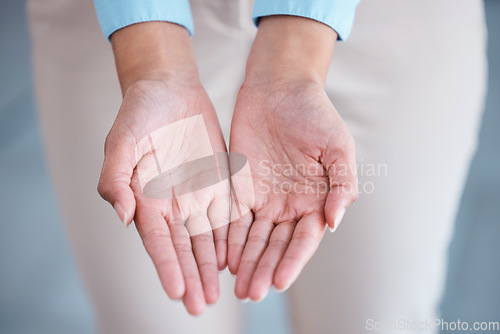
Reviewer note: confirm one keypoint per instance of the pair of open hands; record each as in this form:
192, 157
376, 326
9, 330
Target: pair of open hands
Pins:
303, 177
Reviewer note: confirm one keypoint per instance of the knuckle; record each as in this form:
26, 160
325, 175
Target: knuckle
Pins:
256, 239
183, 248
265, 266
278, 244
248, 263
305, 236
203, 238
192, 278
154, 235
103, 189
220, 240
166, 263
108, 140
234, 244
207, 267
292, 259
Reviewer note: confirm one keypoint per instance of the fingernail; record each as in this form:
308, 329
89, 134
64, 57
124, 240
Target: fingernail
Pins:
125, 219
246, 300
338, 219
122, 214
280, 290
260, 299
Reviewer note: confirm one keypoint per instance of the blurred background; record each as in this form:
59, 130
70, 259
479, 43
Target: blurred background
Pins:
40, 291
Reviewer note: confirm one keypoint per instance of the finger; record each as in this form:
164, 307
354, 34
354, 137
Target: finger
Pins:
116, 173
258, 238
237, 237
262, 279
218, 213
220, 242
242, 200
194, 298
343, 182
305, 240
156, 237
204, 253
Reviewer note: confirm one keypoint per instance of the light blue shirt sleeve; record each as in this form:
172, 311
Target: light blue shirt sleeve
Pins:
116, 14
338, 14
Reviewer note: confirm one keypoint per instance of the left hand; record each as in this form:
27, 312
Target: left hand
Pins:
302, 161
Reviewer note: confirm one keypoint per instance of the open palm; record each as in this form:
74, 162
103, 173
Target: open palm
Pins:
302, 162
160, 128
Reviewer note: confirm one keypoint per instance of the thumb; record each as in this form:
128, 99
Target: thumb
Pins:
338, 200
116, 174
343, 180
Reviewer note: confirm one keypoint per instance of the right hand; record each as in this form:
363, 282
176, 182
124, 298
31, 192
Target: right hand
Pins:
187, 266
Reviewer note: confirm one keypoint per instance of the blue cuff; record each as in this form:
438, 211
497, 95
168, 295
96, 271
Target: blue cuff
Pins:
116, 14
338, 14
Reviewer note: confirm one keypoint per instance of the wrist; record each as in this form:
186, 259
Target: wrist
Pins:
154, 51
290, 48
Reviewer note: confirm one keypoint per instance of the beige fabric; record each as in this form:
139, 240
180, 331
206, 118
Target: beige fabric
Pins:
409, 83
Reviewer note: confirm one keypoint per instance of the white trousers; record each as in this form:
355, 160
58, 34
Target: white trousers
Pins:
409, 83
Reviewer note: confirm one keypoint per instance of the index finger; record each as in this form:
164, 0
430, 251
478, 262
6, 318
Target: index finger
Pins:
157, 240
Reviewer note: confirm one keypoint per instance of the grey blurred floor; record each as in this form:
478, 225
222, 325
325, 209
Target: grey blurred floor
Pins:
39, 288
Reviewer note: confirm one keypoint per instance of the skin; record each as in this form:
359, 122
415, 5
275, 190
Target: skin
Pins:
283, 122
159, 81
